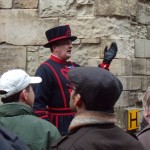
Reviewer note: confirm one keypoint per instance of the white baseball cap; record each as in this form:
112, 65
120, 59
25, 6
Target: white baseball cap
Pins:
14, 81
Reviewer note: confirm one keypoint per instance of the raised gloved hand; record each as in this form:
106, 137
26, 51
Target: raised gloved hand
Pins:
109, 54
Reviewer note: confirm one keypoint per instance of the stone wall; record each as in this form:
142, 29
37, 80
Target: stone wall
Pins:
96, 23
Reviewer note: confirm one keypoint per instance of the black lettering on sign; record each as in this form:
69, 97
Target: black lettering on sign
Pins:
133, 119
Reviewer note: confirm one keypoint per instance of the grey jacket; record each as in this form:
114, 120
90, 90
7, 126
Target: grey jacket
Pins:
144, 137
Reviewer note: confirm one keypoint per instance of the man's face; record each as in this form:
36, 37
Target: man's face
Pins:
146, 114
63, 49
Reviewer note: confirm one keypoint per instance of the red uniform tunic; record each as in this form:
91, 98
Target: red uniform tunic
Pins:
52, 95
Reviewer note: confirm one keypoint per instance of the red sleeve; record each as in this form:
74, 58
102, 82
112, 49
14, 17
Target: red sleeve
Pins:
103, 65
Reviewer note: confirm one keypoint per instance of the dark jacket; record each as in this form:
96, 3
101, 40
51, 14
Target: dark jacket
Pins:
144, 137
9, 141
37, 133
92, 133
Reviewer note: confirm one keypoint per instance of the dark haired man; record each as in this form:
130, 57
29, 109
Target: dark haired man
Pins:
95, 92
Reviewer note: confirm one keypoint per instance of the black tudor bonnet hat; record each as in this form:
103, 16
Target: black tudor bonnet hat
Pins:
58, 33
99, 88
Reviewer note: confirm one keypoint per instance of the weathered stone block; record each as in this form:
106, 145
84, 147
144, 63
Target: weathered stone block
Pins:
12, 57
145, 82
36, 56
148, 32
50, 8
140, 97
120, 116
56, 8
147, 48
84, 8
143, 13
94, 62
128, 98
131, 82
32, 59
148, 66
124, 99
135, 97
87, 27
82, 54
25, 4
121, 67
91, 41
44, 54
142, 48
139, 66
125, 48
139, 48
5, 3
115, 7
22, 27
138, 31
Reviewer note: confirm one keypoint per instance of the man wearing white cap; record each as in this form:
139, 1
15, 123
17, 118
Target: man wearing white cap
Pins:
16, 113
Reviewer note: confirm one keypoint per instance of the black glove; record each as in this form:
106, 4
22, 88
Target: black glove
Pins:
109, 54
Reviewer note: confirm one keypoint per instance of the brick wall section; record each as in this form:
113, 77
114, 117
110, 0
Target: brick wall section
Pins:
96, 23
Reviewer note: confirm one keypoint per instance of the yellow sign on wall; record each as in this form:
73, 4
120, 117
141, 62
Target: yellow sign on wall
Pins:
133, 119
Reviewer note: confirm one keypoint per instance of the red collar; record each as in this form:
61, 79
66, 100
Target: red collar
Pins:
58, 60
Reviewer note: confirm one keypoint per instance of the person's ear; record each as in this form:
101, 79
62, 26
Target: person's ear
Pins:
146, 114
77, 100
54, 47
23, 96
